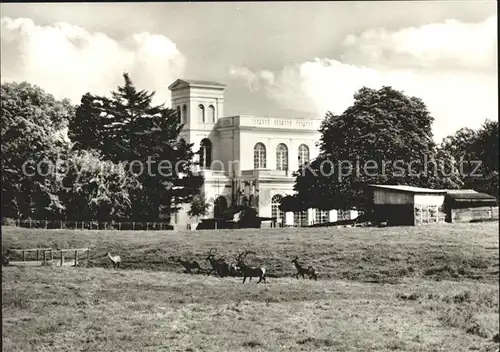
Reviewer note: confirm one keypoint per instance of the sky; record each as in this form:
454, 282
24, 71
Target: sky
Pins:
285, 59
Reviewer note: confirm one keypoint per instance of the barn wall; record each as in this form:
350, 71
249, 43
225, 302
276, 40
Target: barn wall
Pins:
429, 199
384, 196
428, 214
398, 214
468, 214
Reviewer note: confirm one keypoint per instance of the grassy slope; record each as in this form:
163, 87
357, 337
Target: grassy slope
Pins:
461, 251
96, 309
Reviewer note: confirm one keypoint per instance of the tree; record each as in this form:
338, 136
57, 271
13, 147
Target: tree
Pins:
476, 153
199, 206
96, 189
32, 134
384, 137
127, 128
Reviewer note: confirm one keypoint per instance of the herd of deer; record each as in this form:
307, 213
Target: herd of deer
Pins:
239, 268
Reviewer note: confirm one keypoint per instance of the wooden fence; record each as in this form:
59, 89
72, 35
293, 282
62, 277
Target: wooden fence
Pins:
44, 255
88, 225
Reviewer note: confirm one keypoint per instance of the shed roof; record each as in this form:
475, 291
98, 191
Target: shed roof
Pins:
470, 196
411, 189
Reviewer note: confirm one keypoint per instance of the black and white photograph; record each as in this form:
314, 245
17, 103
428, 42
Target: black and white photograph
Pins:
250, 176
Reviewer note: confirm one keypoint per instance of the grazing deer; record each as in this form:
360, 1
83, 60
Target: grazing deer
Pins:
114, 259
219, 266
250, 271
189, 265
310, 270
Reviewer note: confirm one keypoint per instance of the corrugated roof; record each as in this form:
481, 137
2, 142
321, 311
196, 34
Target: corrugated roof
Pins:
404, 188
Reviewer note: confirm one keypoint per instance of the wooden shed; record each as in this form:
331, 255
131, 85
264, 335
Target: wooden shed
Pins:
469, 205
405, 205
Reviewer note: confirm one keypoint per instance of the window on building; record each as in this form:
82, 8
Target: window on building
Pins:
211, 113
300, 218
281, 157
275, 211
303, 154
205, 154
322, 216
201, 111
184, 114
179, 114
259, 156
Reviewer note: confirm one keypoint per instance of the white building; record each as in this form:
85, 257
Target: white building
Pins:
245, 158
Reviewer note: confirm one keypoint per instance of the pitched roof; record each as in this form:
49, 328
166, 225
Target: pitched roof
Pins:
196, 82
404, 188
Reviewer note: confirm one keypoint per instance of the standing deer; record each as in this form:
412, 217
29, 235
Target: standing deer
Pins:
310, 270
114, 259
219, 266
250, 271
189, 265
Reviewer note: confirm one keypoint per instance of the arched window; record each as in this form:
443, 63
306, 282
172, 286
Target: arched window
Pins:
303, 154
211, 113
205, 153
281, 157
275, 211
184, 114
259, 156
201, 110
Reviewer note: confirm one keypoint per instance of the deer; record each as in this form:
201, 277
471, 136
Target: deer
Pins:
189, 265
219, 266
250, 271
310, 270
114, 259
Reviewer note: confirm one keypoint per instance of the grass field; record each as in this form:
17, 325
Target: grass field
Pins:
429, 288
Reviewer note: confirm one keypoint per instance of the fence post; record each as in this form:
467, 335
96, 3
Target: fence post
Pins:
45, 224
37, 255
22, 255
76, 258
62, 258
44, 256
88, 256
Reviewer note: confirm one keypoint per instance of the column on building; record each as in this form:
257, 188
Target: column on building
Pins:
310, 216
332, 215
289, 218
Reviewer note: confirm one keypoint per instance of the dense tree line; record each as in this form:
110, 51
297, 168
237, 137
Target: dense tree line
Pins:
385, 137
109, 158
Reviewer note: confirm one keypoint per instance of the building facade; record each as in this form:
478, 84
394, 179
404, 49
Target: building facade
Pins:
244, 159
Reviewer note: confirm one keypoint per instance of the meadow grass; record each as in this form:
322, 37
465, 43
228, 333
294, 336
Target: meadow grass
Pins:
363, 300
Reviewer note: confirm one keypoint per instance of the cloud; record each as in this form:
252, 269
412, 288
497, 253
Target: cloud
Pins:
451, 44
456, 78
68, 61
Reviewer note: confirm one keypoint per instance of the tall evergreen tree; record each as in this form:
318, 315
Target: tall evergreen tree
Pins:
127, 128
